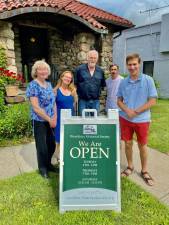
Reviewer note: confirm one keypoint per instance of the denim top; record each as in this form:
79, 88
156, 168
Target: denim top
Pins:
89, 87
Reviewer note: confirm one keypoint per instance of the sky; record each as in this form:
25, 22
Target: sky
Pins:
130, 9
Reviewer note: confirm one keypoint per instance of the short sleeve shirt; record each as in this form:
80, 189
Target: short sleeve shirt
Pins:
136, 93
112, 86
89, 87
46, 99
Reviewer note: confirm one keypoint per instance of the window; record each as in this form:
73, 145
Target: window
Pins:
148, 68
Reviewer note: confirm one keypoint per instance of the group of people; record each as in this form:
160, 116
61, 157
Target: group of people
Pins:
133, 96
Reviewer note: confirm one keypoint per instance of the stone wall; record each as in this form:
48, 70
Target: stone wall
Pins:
7, 41
106, 52
17, 46
106, 60
64, 52
67, 54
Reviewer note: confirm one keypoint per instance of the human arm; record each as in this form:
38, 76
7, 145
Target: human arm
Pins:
53, 120
75, 100
54, 117
75, 72
34, 94
134, 112
152, 96
120, 93
37, 109
103, 81
130, 112
146, 106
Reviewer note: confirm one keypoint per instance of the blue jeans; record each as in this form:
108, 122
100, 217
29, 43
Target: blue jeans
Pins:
90, 104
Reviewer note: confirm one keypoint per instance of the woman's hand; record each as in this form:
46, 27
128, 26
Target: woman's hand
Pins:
52, 122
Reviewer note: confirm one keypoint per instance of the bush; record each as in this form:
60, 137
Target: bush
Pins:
3, 58
124, 75
16, 121
2, 96
157, 85
3, 63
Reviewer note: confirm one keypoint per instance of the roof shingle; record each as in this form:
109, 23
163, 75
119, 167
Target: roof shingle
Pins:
85, 11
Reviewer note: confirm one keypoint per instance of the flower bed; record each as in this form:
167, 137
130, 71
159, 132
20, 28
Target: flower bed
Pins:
10, 78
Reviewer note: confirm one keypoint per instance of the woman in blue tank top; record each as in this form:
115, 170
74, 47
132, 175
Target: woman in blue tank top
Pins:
66, 98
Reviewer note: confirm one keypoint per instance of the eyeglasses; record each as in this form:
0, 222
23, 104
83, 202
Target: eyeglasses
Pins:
69, 78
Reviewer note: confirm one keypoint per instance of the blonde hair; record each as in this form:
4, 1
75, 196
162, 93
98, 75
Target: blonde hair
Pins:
71, 86
36, 65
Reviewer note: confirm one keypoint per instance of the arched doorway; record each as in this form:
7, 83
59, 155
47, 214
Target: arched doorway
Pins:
34, 46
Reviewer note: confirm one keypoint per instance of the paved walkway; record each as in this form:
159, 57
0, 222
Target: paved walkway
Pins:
20, 159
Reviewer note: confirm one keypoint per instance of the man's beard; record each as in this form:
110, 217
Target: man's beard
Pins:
91, 64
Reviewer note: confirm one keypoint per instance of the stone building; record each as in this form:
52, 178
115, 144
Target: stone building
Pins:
59, 31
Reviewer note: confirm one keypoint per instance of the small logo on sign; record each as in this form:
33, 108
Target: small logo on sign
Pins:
89, 129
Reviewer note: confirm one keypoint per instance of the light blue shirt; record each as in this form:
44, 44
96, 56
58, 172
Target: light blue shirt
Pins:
136, 93
112, 86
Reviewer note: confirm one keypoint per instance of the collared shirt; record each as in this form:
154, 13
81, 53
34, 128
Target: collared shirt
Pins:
136, 93
112, 86
89, 87
46, 99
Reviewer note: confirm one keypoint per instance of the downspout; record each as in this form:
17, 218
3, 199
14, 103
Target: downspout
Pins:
118, 35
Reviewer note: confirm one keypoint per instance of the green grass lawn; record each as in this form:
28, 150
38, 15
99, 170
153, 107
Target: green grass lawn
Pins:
159, 129
15, 141
30, 200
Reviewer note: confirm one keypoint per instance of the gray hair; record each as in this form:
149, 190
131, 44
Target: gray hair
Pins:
93, 51
37, 64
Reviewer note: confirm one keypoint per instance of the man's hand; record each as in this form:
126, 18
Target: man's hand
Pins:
131, 113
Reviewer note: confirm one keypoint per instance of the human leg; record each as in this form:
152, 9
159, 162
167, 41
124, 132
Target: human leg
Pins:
40, 132
57, 151
96, 105
127, 132
50, 142
82, 104
129, 157
141, 130
143, 156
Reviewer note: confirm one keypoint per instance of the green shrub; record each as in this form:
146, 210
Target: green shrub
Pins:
124, 75
3, 63
2, 96
3, 58
157, 85
16, 121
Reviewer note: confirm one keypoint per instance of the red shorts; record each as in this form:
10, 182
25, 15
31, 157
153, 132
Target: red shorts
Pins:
128, 128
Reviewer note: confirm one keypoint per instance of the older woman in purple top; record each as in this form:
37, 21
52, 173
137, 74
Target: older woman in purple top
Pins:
43, 114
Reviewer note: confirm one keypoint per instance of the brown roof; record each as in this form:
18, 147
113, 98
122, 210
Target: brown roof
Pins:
91, 14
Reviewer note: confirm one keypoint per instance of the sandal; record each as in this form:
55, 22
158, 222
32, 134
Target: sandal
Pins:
147, 178
127, 172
